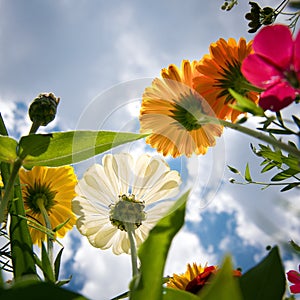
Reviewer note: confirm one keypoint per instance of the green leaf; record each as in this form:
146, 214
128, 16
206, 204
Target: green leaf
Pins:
47, 268
8, 148
57, 263
234, 170
172, 294
266, 280
247, 173
295, 246
153, 253
296, 120
224, 286
290, 186
74, 146
33, 144
245, 105
284, 175
36, 290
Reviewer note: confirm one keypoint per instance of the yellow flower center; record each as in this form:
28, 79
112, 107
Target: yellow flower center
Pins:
38, 193
127, 210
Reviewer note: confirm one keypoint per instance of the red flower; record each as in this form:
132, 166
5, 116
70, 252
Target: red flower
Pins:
294, 277
274, 66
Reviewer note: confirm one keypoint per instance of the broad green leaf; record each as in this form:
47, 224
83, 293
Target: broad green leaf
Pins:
74, 146
33, 144
153, 253
247, 173
37, 290
245, 105
224, 286
174, 294
8, 148
266, 280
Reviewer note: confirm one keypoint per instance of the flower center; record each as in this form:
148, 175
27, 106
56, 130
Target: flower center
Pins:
39, 193
127, 210
231, 77
189, 111
292, 79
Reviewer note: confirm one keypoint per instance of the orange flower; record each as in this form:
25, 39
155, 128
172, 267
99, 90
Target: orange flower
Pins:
221, 70
194, 278
52, 190
171, 113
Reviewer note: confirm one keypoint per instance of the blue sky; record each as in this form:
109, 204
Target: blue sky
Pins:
98, 56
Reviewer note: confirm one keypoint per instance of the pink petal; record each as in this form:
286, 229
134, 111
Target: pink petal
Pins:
277, 97
297, 54
259, 72
275, 43
293, 276
295, 289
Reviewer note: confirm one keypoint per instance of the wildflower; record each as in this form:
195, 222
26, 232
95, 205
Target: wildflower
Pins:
294, 277
194, 278
50, 190
172, 111
123, 192
221, 70
274, 66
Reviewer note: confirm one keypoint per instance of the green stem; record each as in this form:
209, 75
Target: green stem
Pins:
9, 188
40, 203
130, 232
256, 134
34, 127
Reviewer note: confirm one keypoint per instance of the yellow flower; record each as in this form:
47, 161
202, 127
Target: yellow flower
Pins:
171, 113
221, 70
54, 189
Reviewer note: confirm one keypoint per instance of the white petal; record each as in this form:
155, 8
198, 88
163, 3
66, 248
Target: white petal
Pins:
95, 186
121, 243
166, 187
123, 169
157, 212
147, 172
104, 237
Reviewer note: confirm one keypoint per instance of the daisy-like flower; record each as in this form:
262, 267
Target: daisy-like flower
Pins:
275, 66
294, 277
221, 70
171, 112
123, 192
50, 191
194, 278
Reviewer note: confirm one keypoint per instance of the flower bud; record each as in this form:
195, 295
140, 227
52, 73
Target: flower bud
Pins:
43, 109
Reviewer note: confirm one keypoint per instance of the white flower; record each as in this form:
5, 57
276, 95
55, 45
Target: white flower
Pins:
121, 180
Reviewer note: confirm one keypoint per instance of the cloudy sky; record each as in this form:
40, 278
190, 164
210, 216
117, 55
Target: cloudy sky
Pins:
98, 56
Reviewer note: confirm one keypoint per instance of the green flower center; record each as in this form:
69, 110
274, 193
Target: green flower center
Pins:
38, 193
232, 78
292, 78
127, 210
189, 111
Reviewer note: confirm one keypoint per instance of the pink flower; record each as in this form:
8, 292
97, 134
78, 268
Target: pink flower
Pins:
294, 277
274, 66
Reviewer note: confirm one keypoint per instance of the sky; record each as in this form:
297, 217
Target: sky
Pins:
98, 57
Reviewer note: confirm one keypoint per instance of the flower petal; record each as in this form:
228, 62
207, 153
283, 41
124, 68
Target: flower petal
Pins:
259, 72
277, 97
275, 43
297, 54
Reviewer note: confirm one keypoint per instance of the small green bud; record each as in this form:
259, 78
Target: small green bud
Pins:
43, 109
